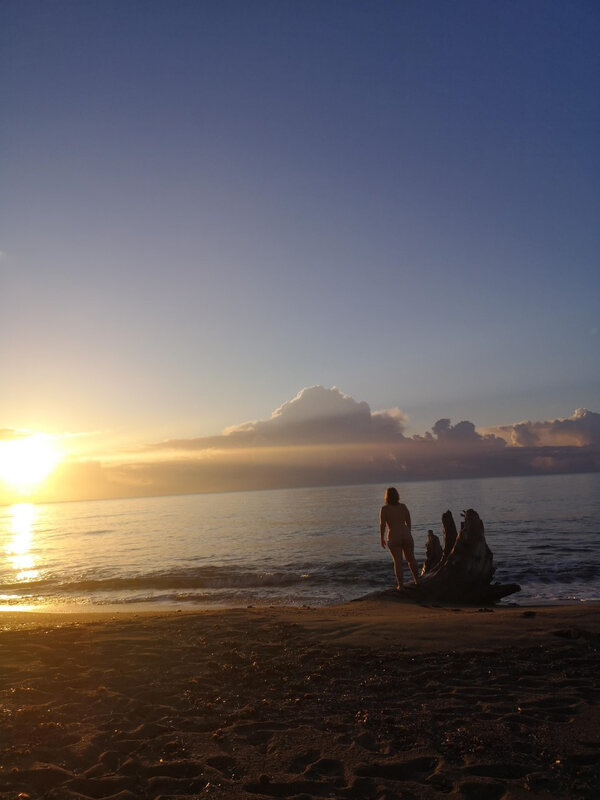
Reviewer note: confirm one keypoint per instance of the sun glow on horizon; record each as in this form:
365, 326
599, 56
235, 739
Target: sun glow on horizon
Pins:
27, 461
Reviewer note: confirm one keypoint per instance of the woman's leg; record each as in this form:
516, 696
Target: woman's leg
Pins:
398, 567
409, 555
414, 569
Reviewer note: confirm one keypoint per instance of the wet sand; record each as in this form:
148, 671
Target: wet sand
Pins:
377, 699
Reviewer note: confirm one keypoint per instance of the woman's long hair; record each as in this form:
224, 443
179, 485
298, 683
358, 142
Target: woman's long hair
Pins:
392, 498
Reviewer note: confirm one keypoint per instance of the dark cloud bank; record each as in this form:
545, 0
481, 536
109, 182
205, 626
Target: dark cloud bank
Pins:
323, 437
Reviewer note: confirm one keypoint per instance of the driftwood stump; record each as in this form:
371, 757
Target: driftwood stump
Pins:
450, 534
433, 553
465, 570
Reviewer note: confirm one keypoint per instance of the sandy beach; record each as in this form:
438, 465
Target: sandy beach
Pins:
373, 699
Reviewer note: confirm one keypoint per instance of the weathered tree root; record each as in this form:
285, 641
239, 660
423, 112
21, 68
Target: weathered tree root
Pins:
466, 568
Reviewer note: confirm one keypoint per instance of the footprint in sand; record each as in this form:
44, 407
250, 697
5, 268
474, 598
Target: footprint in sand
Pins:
301, 762
290, 788
413, 769
482, 790
224, 764
325, 767
506, 771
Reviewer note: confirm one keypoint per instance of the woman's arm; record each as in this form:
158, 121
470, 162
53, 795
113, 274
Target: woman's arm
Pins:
382, 524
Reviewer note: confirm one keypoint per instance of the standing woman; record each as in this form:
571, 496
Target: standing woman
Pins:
395, 516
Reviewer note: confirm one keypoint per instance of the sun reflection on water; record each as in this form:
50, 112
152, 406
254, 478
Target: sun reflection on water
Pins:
18, 547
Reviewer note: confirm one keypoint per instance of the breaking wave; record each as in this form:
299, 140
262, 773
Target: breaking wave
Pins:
291, 585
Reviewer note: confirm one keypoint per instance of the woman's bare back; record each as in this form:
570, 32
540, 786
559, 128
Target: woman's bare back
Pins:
397, 517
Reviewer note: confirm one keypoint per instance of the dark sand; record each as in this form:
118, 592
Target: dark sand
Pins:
377, 699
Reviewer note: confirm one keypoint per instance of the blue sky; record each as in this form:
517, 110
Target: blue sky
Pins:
207, 206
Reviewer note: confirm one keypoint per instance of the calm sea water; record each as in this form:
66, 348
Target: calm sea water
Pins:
298, 546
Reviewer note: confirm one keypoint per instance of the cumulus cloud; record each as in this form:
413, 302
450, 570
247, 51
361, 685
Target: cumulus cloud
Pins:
461, 432
323, 437
581, 429
347, 439
315, 416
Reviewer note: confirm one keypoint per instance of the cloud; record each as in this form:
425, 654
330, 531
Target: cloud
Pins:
322, 437
315, 416
581, 429
461, 432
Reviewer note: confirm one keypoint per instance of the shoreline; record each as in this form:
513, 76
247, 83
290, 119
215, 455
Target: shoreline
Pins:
376, 700
149, 608
374, 621
382, 597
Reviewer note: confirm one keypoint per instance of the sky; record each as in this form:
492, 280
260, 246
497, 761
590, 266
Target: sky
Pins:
208, 207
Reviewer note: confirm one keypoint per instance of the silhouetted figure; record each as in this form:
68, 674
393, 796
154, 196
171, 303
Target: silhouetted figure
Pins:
433, 552
396, 518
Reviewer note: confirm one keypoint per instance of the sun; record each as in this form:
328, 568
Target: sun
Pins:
27, 461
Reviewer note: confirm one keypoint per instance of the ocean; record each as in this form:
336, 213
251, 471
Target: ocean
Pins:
316, 547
